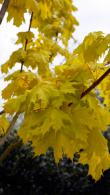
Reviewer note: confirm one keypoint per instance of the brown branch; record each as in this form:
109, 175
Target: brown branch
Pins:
4, 9
26, 42
97, 82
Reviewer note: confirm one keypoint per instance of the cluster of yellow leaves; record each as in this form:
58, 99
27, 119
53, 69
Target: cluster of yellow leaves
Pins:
50, 17
38, 54
20, 82
93, 46
16, 57
54, 113
24, 36
50, 120
56, 116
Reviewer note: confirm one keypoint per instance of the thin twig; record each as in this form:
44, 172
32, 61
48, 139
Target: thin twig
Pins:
4, 9
97, 82
26, 42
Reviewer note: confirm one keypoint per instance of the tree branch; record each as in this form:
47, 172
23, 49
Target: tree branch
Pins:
97, 82
26, 42
4, 9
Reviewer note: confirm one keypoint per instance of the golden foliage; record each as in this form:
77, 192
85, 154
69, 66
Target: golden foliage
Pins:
50, 98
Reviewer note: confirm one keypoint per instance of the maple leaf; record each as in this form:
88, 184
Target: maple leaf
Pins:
93, 46
23, 36
20, 82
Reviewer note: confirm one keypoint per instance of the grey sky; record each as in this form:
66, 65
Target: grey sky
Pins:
93, 15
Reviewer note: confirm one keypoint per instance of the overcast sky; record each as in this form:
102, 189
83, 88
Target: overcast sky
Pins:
93, 15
